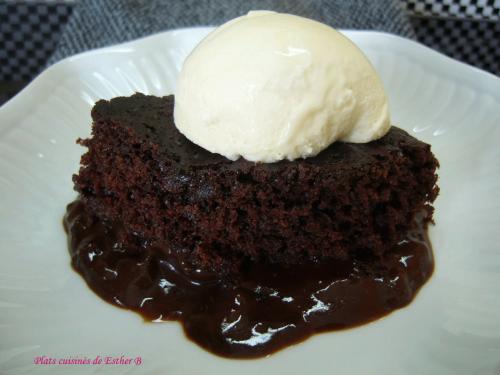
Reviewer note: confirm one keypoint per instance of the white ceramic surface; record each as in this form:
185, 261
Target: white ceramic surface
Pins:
453, 326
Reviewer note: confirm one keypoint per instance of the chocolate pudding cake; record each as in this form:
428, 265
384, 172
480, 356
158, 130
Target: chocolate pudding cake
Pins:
269, 200
157, 213
351, 199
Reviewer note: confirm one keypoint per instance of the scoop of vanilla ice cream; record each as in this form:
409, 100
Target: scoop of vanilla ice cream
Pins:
269, 86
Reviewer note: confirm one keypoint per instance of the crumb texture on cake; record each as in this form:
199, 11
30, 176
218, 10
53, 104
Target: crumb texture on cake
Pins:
351, 199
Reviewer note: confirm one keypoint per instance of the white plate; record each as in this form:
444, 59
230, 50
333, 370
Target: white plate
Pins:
453, 326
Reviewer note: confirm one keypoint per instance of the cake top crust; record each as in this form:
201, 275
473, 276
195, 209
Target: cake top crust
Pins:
151, 118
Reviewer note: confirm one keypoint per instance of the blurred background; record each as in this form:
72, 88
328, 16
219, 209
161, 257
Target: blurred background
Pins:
467, 30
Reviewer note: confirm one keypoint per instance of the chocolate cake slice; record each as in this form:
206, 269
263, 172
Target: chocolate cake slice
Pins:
350, 200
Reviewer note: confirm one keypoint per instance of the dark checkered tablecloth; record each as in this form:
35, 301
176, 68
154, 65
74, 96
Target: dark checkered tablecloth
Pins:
467, 30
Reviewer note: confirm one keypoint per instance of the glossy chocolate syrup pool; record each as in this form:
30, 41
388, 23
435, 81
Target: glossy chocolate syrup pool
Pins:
265, 308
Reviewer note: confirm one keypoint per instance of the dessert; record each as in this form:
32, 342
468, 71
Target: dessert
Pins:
253, 255
356, 198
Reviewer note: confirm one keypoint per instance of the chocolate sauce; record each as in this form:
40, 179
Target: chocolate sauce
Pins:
265, 308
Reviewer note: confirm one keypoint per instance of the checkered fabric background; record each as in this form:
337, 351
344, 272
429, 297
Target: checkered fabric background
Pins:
29, 31
476, 43
468, 9
467, 30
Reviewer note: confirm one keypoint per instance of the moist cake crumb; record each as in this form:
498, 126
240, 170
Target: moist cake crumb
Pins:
349, 200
